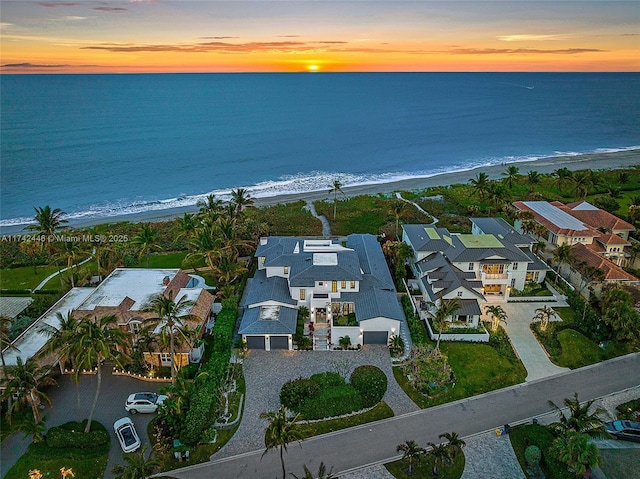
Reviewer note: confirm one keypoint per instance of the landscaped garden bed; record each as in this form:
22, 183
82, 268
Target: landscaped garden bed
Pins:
629, 410
423, 469
540, 436
85, 460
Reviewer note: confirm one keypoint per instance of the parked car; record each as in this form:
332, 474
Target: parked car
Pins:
127, 435
624, 430
143, 402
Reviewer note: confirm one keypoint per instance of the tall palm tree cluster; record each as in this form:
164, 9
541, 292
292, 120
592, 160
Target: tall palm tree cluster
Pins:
218, 234
498, 193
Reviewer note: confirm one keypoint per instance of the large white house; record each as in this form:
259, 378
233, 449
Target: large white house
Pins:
347, 288
488, 263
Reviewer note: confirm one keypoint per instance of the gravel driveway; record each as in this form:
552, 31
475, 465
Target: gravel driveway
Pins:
266, 371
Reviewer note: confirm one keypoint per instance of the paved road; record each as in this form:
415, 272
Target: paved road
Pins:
376, 442
534, 358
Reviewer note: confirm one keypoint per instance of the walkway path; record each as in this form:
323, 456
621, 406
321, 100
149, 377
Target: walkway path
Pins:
266, 371
435, 220
534, 358
326, 227
46, 280
375, 442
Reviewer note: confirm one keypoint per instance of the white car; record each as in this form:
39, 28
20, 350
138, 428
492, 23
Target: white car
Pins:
127, 435
143, 402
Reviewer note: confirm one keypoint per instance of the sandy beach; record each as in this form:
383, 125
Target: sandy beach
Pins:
594, 161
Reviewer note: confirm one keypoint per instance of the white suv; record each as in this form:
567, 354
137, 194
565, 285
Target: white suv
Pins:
143, 402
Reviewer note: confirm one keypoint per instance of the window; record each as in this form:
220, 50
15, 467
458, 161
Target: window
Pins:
353, 285
134, 327
334, 286
343, 285
459, 294
470, 268
515, 266
165, 358
302, 293
513, 282
286, 270
261, 260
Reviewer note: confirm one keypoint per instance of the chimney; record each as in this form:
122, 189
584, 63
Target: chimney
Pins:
166, 280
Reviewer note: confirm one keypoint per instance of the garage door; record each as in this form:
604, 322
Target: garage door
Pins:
374, 337
255, 342
279, 342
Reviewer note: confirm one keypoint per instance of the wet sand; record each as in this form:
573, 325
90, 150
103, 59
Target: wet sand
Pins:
594, 161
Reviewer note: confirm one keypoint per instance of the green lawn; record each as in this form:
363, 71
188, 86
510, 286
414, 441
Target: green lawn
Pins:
479, 368
577, 350
24, 277
168, 260
424, 468
86, 463
537, 435
380, 411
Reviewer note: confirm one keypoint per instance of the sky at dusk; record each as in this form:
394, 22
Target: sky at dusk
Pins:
76, 36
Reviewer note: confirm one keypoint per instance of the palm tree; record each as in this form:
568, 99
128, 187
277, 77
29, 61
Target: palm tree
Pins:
622, 177
227, 269
580, 183
397, 209
594, 180
453, 443
241, 198
321, 474
511, 173
147, 241
577, 452
24, 380
186, 227
411, 452
30, 427
497, 193
98, 340
48, 221
211, 204
480, 184
580, 420
70, 252
171, 318
336, 188
446, 309
440, 454
544, 315
281, 430
138, 466
533, 178
497, 315
562, 175
561, 255
5, 341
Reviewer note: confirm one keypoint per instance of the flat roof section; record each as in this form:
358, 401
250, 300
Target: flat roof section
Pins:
432, 233
480, 241
34, 338
556, 216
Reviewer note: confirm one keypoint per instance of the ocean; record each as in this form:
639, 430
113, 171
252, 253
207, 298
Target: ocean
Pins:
98, 146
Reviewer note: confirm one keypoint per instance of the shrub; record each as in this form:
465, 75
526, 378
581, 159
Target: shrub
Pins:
328, 379
304, 343
416, 326
295, 392
345, 341
532, 455
331, 402
371, 383
72, 435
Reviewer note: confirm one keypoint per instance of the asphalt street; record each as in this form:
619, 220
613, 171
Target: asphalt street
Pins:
376, 442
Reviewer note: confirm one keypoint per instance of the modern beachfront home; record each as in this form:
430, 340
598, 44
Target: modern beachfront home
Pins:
478, 267
126, 292
347, 289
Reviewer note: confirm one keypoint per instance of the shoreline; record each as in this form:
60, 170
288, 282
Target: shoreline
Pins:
593, 161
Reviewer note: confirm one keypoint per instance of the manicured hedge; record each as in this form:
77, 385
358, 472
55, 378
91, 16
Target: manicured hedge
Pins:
371, 383
295, 392
328, 379
331, 402
204, 399
72, 435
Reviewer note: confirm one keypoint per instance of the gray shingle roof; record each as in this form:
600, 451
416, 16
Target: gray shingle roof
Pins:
263, 289
11, 307
457, 253
503, 230
427, 237
469, 307
284, 324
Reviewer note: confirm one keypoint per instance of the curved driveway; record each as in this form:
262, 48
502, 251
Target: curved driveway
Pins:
376, 442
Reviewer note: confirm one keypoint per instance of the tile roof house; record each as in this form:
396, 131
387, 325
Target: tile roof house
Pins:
490, 261
331, 280
581, 222
126, 292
